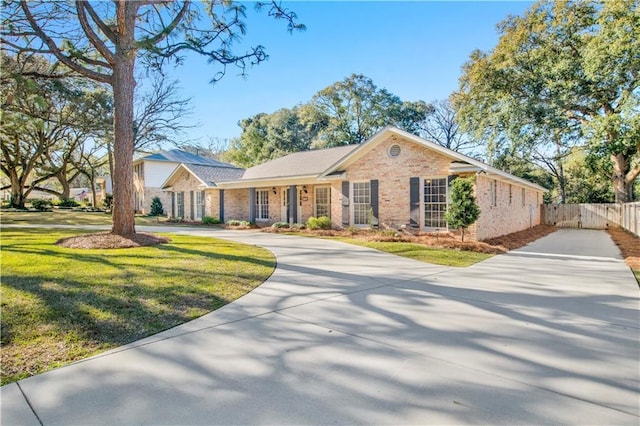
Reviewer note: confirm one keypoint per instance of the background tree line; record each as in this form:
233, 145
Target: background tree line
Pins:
556, 101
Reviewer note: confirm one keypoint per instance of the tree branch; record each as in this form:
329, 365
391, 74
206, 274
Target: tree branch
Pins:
81, 7
104, 78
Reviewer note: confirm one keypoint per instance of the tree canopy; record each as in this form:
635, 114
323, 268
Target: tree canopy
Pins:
564, 74
347, 112
103, 40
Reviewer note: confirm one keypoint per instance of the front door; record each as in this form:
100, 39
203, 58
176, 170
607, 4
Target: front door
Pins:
284, 205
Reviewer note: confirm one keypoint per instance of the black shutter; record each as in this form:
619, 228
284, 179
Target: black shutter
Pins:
345, 202
374, 200
221, 202
252, 205
173, 204
414, 202
192, 203
292, 214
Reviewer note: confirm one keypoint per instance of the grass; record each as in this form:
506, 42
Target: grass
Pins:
423, 253
68, 217
60, 305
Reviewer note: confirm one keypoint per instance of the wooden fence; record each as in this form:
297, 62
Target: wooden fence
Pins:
593, 216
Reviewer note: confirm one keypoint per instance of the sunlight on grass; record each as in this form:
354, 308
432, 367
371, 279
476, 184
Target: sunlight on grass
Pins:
68, 217
423, 253
60, 305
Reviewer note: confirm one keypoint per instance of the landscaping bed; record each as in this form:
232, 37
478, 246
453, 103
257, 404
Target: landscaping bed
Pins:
629, 246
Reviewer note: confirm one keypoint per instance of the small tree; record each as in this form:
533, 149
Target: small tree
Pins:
463, 211
156, 207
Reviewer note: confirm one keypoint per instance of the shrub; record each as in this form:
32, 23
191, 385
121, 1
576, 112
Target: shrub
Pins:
108, 202
279, 225
208, 220
298, 226
233, 222
42, 205
245, 223
463, 210
67, 202
156, 207
322, 222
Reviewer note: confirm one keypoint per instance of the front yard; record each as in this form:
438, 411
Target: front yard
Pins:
61, 305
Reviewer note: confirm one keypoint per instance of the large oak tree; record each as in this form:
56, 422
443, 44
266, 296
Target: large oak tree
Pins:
103, 40
564, 74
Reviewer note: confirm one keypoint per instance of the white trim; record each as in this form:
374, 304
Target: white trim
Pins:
352, 204
423, 209
315, 199
176, 172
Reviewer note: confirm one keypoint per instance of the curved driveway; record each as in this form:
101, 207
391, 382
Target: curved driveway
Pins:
346, 335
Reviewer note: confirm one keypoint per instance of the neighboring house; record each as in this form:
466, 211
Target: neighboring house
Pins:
151, 171
393, 180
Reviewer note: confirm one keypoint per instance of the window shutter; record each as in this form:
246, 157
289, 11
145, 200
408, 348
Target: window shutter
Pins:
414, 202
252, 205
293, 204
221, 215
173, 204
345, 202
374, 200
192, 202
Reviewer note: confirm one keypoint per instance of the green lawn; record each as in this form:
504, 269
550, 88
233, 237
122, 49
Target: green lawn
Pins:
60, 305
424, 253
68, 217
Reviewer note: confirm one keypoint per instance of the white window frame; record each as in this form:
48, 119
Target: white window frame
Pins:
180, 204
262, 205
326, 205
199, 205
355, 204
423, 203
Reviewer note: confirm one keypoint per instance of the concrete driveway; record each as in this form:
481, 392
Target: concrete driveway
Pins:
345, 335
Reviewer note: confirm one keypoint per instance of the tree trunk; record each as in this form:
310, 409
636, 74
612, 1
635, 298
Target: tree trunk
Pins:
621, 188
123, 87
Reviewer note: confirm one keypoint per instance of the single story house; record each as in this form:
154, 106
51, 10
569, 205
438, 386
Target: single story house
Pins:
150, 171
395, 179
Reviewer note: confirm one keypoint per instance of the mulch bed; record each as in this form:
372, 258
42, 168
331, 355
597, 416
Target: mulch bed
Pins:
629, 246
437, 240
107, 240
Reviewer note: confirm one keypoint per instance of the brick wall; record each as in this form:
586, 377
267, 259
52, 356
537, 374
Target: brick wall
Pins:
510, 213
236, 204
393, 174
149, 194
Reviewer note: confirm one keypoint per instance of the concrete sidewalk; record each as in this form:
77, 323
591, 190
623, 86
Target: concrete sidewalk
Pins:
342, 334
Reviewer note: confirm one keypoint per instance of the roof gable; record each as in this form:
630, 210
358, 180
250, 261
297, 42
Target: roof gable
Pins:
208, 176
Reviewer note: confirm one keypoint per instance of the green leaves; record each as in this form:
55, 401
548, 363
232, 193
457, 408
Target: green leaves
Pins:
567, 72
463, 211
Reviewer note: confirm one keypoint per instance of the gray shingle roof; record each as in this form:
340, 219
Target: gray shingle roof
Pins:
178, 156
213, 174
299, 163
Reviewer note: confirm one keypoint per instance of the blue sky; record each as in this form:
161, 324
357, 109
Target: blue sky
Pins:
413, 49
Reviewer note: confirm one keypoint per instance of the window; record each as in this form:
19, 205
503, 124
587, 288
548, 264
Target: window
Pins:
262, 204
323, 201
523, 198
493, 193
180, 203
199, 205
435, 203
361, 202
